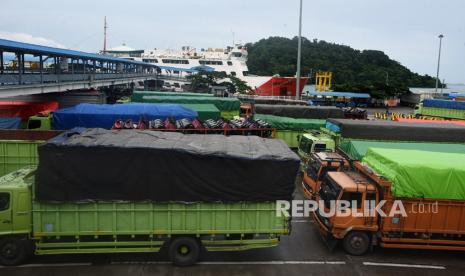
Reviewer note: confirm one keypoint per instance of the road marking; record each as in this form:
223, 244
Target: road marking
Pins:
50, 265
404, 265
248, 263
300, 221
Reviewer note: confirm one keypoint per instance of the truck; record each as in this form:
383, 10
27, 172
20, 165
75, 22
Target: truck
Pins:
449, 109
447, 113
39, 217
338, 132
432, 205
18, 148
318, 166
314, 141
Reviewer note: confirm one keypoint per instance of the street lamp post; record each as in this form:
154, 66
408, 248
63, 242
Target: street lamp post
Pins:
299, 54
441, 36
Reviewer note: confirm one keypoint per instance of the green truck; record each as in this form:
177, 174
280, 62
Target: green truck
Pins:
447, 113
29, 226
314, 141
291, 130
18, 148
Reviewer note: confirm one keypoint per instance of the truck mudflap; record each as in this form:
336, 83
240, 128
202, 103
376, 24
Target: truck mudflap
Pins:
325, 234
330, 241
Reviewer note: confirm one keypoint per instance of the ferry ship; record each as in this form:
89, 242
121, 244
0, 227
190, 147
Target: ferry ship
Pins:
231, 60
178, 64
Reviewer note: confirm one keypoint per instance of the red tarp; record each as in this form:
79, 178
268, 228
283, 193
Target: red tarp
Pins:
431, 121
24, 110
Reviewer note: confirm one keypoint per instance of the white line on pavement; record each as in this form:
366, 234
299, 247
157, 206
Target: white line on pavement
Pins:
50, 265
404, 265
250, 263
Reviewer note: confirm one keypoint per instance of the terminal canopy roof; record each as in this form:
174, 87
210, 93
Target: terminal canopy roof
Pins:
34, 49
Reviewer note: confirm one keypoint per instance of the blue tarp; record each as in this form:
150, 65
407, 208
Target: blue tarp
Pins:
10, 122
454, 95
340, 94
444, 104
104, 115
333, 127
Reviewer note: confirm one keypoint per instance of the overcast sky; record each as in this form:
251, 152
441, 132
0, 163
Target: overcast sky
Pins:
406, 30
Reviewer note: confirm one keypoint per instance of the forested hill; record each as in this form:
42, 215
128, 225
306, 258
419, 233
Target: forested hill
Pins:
353, 70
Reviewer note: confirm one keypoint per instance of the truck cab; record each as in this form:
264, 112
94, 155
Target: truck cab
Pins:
15, 218
15, 204
348, 226
40, 122
318, 165
314, 141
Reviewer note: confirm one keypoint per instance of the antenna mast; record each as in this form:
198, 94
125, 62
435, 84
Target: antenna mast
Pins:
105, 27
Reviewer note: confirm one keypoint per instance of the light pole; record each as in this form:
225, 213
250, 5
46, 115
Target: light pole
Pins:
441, 36
299, 54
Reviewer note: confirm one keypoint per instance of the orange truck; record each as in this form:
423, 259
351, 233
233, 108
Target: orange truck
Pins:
318, 165
434, 220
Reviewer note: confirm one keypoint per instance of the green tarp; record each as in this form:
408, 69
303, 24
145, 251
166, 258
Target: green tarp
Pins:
287, 123
223, 104
205, 111
357, 149
420, 174
137, 95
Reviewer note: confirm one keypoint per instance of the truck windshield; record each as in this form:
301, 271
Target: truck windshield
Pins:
4, 201
329, 191
313, 169
320, 147
305, 145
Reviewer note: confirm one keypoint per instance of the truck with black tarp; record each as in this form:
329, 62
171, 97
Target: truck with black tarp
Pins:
347, 136
304, 112
406, 199
108, 191
396, 131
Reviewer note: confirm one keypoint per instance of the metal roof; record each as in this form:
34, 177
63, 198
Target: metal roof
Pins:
340, 94
15, 46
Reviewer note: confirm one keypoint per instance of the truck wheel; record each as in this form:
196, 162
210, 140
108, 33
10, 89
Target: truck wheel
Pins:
14, 251
356, 243
184, 251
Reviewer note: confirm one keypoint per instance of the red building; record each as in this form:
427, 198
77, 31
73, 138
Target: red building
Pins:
280, 86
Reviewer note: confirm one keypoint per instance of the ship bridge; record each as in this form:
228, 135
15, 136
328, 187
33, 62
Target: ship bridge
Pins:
33, 69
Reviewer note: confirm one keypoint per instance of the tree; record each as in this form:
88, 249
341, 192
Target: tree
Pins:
203, 81
353, 70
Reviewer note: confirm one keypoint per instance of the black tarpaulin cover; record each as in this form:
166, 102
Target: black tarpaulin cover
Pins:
400, 131
295, 111
102, 164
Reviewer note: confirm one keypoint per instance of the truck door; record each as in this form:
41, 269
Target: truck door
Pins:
6, 223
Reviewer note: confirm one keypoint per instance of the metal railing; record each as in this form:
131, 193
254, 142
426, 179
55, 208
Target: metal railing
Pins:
37, 78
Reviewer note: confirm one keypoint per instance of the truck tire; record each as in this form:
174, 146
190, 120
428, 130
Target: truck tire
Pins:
356, 243
15, 251
184, 251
